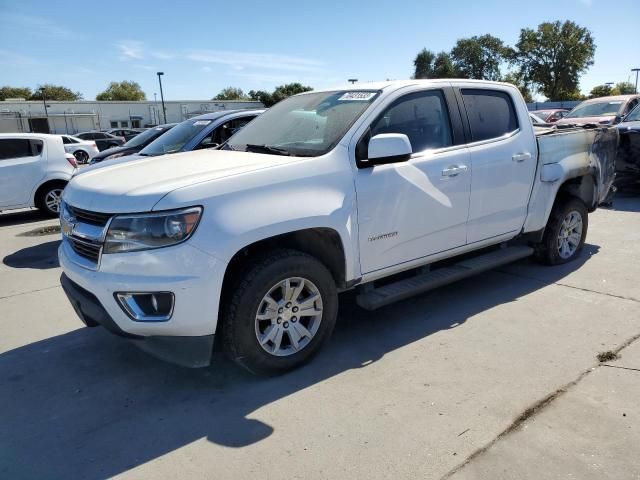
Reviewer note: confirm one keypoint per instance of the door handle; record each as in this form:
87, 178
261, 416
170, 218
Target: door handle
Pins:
521, 157
454, 170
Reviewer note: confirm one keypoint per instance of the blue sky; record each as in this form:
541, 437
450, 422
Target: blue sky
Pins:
204, 46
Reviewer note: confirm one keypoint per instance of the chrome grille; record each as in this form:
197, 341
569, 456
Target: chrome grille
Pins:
93, 218
88, 250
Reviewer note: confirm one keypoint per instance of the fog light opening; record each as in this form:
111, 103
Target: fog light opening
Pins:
147, 306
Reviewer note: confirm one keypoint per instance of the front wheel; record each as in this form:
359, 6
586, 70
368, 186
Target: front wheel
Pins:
49, 198
565, 233
280, 313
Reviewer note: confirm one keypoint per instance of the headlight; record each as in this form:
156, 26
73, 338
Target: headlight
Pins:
128, 233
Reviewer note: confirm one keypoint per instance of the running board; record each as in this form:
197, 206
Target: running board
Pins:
408, 287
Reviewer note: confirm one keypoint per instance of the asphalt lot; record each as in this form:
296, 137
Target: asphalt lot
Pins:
493, 377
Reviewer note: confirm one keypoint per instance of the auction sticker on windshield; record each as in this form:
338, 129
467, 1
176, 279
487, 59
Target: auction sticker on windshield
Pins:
358, 96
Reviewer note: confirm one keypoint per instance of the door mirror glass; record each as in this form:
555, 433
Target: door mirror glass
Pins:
388, 148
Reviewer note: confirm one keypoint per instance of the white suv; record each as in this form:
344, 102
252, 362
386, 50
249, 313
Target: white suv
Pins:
34, 169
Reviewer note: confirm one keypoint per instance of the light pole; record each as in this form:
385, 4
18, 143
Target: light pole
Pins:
164, 110
44, 102
636, 70
352, 80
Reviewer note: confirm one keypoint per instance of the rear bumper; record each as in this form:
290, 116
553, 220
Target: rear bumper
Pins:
185, 351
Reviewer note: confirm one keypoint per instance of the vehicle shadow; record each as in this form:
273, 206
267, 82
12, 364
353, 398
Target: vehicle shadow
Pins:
627, 200
88, 405
21, 217
43, 256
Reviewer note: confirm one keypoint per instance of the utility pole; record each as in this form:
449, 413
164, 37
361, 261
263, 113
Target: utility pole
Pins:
44, 102
636, 70
164, 110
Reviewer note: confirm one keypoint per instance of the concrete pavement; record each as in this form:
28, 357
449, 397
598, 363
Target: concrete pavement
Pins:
409, 391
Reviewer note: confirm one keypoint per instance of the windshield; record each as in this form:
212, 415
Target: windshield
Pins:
634, 116
543, 113
176, 138
598, 109
535, 118
305, 125
145, 137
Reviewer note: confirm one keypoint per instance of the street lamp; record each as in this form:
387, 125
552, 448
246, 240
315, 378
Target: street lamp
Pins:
636, 70
164, 110
352, 80
44, 102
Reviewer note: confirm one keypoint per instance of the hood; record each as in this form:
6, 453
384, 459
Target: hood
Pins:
110, 151
585, 120
127, 187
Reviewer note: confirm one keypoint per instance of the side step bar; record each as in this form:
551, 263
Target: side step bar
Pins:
408, 287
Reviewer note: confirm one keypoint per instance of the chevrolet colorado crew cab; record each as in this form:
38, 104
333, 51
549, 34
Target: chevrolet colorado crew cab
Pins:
327, 191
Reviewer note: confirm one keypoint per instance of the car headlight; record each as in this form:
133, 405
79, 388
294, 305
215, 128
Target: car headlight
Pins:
129, 233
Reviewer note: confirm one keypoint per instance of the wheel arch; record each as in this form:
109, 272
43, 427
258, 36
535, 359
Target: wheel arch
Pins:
45, 184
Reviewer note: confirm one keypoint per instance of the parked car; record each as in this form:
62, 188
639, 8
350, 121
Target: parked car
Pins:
126, 133
83, 150
601, 111
204, 131
34, 170
326, 191
134, 145
628, 160
551, 115
103, 140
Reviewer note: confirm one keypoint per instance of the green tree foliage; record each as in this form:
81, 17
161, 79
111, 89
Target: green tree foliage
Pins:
55, 92
231, 93
261, 96
423, 64
429, 65
15, 92
554, 56
124, 91
600, 91
623, 88
479, 57
280, 93
516, 79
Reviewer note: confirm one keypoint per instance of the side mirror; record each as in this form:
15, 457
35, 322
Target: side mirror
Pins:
388, 148
618, 118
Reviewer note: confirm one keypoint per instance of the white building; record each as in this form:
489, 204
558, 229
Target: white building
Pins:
72, 117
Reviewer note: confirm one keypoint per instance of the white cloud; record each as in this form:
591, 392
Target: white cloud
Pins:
11, 59
586, 3
206, 68
163, 55
31, 25
130, 49
240, 60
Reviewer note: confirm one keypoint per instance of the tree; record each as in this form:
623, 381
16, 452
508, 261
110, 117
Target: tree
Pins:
261, 96
443, 66
231, 93
479, 57
123, 91
516, 79
283, 91
600, 91
55, 92
554, 56
623, 88
424, 64
15, 92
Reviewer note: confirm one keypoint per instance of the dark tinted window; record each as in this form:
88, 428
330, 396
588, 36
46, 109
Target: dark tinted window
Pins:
421, 116
16, 148
491, 113
66, 140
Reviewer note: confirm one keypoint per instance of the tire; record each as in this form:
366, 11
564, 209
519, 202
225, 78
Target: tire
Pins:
241, 327
48, 198
556, 247
81, 156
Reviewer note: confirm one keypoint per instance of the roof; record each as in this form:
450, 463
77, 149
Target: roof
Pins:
395, 84
613, 98
30, 135
223, 113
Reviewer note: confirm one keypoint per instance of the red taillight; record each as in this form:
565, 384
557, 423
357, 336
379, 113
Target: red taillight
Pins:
93, 144
72, 160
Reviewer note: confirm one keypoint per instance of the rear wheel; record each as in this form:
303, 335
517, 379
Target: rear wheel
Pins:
81, 156
280, 313
565, 233
49, 197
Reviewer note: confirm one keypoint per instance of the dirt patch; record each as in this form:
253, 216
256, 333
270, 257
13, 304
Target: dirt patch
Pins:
41, 232
607, 356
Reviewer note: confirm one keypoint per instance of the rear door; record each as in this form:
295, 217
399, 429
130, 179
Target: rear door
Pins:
416, 208
21, 168
503, 162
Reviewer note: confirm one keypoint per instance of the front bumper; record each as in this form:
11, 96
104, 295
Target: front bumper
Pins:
190, 351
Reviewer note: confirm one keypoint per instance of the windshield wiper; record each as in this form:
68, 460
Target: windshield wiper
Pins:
266, 149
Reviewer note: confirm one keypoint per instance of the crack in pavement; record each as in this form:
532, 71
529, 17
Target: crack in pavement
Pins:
30, 291
620, 297
623, 368
535, 409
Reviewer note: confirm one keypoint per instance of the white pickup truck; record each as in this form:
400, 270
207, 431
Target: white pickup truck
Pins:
327, 191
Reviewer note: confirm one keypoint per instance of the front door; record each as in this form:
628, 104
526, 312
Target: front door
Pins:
503, 160
416, 208
20, 169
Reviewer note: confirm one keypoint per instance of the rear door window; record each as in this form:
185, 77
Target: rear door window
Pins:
491, 113
17, 148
